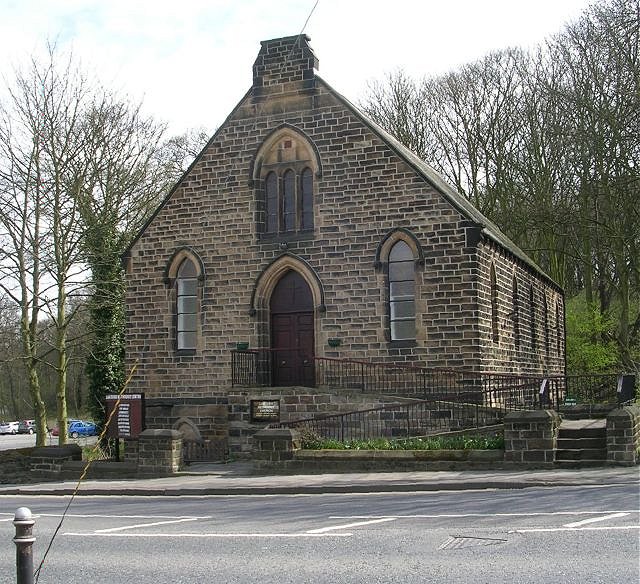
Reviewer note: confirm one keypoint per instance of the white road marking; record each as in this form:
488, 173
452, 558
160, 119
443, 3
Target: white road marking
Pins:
551, 529
212, 535
111, 529
348, 525
90, 516
595, 519
463, 515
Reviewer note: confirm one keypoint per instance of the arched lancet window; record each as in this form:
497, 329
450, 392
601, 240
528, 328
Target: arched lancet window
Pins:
285, 168
187, 305
515, 314
402, 304
494, 304
532, 315
289, 201
306, 196
271, 194
545, 308
558, 329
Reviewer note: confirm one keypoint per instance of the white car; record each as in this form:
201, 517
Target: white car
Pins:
9, 428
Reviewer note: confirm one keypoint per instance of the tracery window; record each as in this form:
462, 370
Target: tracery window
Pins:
287, 175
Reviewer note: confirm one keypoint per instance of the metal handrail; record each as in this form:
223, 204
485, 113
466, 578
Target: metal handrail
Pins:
254, 367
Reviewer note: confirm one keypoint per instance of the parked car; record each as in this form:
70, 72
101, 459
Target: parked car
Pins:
26, 426
82, 429
55, 431
9, 428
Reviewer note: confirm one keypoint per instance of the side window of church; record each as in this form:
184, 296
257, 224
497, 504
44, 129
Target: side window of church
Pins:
187, 305
402, 305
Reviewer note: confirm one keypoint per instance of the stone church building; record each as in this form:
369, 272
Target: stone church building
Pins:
305, 231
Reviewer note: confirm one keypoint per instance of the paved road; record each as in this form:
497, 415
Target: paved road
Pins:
11, 441
568, 535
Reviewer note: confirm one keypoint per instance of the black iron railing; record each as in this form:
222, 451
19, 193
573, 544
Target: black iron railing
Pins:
421, 418
257, 367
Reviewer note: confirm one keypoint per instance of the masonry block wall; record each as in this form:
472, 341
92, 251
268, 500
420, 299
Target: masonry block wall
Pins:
365, 190
366, 186
159, 452
623, 436
531, 437
526, 335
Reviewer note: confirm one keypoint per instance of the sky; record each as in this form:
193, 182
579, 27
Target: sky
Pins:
190, 62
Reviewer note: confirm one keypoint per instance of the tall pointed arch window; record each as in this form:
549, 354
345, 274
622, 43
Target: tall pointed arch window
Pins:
558, 329
515, 314
494, 304
402, 302
545, 309
187, 305
532, 319
285, 169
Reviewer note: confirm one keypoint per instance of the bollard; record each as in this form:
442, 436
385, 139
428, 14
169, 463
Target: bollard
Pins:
24, 545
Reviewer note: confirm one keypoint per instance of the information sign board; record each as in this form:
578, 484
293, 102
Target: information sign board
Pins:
128, 420
265, 410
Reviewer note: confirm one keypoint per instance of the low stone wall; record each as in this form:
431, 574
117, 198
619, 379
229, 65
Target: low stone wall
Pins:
530, 437
159, 452
623, 436
47, 461
277, 450
341, 461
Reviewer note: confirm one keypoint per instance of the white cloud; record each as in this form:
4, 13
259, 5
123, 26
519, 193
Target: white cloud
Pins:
192, 60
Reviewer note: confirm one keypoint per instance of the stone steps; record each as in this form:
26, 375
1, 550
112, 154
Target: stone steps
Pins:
582, 443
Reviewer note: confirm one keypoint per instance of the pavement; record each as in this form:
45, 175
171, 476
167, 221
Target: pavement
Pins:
239, 478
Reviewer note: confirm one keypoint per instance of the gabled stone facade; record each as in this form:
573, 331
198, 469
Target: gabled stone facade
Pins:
354, 192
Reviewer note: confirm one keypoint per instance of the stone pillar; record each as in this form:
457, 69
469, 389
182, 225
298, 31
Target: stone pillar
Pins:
623, 436
47, 461
275, 445
530, 437
159, 452
130, 450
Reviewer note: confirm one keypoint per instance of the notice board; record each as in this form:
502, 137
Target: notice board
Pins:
128, 420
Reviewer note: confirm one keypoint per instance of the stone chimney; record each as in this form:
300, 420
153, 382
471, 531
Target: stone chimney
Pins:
284, 64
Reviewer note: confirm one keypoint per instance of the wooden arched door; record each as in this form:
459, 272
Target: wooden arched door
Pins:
292, 334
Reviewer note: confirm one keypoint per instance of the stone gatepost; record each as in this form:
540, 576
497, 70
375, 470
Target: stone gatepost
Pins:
47, 461
159, 452
623, 436
530, 437
275, 445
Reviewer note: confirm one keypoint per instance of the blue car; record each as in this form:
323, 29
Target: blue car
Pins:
80, 428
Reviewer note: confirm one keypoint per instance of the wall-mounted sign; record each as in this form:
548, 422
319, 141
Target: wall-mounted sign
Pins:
128, 421
265, 410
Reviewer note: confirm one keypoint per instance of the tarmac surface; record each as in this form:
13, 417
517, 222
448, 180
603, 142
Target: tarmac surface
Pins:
238, 478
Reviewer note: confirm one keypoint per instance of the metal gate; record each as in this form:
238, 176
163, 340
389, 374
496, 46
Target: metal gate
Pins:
205, 450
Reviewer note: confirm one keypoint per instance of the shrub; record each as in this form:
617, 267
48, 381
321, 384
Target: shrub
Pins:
492, 442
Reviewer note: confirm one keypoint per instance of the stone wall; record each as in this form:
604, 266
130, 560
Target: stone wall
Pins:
362, 192
159, 452
48, 461
623, 436
539, 353
530, 437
